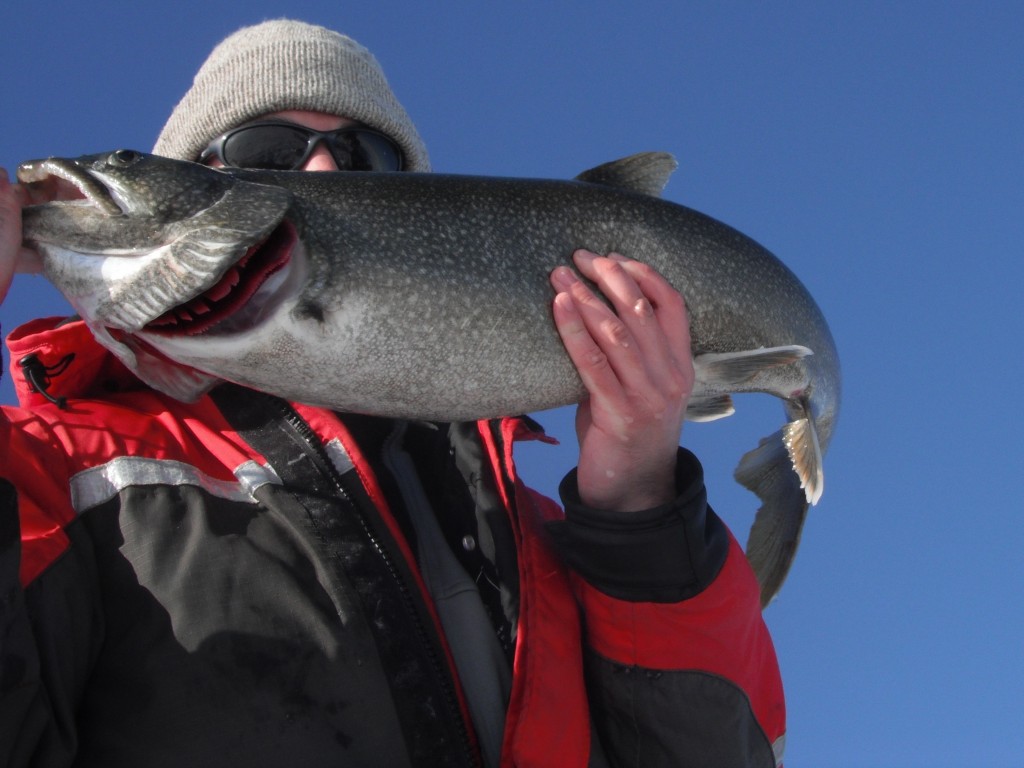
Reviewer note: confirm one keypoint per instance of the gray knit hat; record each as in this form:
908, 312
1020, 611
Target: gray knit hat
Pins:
280, 65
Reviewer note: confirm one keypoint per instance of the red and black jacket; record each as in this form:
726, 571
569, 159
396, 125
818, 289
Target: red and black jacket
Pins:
233, 582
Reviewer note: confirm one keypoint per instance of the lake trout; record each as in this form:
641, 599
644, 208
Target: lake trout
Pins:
426, 296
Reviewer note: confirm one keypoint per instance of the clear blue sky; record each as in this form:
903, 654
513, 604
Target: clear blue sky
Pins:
876, 147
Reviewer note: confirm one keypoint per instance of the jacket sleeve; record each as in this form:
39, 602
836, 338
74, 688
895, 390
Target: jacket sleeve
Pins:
680, 666
48, 611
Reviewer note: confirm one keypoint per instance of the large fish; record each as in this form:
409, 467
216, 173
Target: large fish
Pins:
426, 296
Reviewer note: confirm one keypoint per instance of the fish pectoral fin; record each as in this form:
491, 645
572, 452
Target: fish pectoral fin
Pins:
645, 172
179, 381
726, 370
710, 408
775, 534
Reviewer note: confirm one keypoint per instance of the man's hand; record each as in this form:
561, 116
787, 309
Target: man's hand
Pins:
14, 257
635, 361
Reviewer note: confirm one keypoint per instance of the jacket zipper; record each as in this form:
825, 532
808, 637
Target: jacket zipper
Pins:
313, 448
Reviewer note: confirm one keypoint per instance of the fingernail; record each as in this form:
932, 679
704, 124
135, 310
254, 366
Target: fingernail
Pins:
584, 255
617, 257
563, 277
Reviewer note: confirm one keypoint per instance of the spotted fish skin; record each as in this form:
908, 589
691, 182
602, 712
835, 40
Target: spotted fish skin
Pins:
426, 296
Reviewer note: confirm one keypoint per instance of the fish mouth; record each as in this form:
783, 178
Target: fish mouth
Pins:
67, 181
214, 271
242, 295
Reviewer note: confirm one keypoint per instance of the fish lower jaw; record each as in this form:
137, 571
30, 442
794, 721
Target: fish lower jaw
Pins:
69, 184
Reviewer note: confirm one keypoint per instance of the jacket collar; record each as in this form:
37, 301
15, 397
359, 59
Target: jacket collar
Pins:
77, 365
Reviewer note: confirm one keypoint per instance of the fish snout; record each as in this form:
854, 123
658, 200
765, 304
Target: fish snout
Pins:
57, 180
44, 187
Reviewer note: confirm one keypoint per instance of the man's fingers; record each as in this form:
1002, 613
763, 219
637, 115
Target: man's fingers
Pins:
612, 363
590, 360
653, 312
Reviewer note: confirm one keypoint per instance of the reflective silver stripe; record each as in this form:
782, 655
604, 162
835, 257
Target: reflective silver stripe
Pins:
99, 484
339, 456
778, 748
252, 476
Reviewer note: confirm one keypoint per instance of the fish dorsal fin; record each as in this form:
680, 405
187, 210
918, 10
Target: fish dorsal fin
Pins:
646, 173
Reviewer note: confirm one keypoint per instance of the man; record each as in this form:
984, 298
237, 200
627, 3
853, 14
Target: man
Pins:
245, 581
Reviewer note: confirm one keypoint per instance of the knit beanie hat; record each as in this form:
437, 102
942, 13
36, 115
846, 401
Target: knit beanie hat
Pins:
281, 65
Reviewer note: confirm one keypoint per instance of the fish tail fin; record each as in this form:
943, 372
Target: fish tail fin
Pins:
775, 534
785, 473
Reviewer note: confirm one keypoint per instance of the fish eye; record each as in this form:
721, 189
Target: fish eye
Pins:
124, 157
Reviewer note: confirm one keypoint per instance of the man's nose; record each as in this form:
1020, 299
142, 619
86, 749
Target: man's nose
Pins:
320, 159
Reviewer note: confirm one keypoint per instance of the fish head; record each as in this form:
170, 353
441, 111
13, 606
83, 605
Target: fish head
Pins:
156, 246
130, 183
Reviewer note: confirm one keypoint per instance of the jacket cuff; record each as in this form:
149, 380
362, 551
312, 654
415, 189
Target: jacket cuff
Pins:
663, 555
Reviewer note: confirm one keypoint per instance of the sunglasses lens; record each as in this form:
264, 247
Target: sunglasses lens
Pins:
267, 147
277, 147
359, 150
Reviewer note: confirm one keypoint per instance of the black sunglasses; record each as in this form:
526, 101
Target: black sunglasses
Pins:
282, 146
